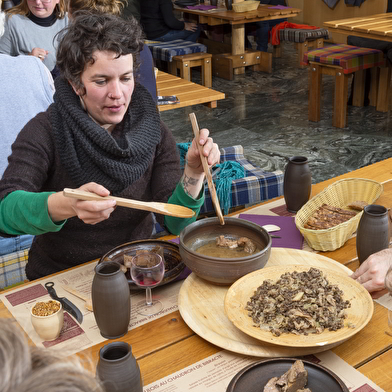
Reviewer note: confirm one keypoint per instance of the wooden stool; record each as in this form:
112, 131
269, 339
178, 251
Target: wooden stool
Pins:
340, 61
303, 39
185, 62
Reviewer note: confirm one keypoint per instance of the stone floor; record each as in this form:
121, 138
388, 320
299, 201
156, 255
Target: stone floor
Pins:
268, 115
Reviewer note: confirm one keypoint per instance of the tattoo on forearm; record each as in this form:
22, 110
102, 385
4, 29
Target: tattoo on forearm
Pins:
188, 182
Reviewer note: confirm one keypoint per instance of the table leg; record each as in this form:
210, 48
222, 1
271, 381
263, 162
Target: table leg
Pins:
238, 44
340, 101
315, 84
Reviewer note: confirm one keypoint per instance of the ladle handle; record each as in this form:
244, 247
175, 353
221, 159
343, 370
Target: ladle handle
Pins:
207, 171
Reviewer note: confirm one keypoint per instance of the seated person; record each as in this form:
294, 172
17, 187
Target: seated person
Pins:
131, 7
264, 27
145, 74
160, 24
31, 27
102, 134
31, 83
28, 368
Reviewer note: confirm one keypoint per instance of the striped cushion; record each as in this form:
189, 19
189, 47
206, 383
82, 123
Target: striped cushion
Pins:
350, 58
167, 50
299, 35
12, 268
257, 185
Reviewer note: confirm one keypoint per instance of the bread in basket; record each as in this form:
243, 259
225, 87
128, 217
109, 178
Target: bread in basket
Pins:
339, 194
245, 6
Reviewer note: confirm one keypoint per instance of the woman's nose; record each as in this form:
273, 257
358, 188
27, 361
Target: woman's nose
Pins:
115, 91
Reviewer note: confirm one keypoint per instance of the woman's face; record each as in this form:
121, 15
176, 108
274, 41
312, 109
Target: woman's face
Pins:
108, 84
42, 8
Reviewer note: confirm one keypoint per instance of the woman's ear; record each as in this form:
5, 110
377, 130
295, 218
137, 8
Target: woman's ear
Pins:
78, 91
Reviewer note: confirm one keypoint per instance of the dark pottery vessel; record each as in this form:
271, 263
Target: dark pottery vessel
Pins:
117, 368
223, 271
214, 2
297, 183
111, 300
229, 4
373, 231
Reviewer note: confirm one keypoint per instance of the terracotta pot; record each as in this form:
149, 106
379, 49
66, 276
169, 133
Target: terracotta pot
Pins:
117, 368
111, 300
373, 231
297, 183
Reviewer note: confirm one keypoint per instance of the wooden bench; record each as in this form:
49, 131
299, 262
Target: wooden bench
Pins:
185, 62
339, 61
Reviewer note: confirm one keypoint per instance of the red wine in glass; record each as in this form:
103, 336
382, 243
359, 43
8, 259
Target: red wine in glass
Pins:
147, 270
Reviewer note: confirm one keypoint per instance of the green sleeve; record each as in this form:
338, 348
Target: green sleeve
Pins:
179, 197
24, 212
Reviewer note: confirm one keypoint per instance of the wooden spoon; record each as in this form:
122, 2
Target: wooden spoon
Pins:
160, 208
88, 304
207, 172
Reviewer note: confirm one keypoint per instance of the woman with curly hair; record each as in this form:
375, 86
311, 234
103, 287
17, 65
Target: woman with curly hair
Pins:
31, 27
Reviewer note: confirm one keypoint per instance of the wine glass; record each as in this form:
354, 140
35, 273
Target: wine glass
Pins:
147, 270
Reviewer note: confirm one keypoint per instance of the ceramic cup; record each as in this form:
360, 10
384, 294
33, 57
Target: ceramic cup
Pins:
373, 231
48, 327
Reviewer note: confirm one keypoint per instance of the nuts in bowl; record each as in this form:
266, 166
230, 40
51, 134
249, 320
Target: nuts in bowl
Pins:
47, 319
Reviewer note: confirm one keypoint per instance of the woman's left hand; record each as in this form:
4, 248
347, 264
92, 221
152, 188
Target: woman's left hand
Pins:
210, 150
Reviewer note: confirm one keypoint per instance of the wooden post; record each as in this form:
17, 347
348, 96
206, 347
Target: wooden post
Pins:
238, 44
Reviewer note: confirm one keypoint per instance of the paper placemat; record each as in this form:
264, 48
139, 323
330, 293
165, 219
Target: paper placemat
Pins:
75, 337
215, 372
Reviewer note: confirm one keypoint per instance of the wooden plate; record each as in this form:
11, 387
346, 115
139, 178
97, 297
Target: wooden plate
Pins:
359, 314
253, 377
201, 305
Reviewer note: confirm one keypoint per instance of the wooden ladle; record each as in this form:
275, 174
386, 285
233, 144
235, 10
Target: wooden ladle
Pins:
160, 208
207, 172
88, 302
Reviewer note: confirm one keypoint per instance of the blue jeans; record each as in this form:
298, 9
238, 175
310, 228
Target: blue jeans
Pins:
13, 244
180, 34
262, 30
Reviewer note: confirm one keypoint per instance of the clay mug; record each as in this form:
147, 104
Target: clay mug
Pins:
111, 300
48, 327
117, 368
373, 231
297, 183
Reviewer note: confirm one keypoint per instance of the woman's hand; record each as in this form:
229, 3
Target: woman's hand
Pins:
193, 177
90, 212
371, 273
190, 26
40, 53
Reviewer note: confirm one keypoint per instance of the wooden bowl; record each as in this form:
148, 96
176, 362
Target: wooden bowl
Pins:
223, 271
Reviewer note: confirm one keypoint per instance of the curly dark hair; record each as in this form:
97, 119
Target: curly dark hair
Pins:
90, 32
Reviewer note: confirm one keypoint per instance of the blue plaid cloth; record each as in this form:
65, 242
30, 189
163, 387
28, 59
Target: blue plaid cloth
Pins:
12, 268
299, 36
257, 185
167, 50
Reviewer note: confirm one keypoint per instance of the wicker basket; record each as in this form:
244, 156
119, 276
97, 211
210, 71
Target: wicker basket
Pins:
245, 6
339, 194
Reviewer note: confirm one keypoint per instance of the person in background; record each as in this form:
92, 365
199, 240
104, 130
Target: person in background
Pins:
31, 84
160, 24
264, 27
146, 75
28, 368
31, 27
131, 8
372, 272
102, 134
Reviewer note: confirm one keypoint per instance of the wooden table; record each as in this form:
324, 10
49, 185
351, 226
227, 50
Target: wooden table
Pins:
188, 93
374, 26
167, 345
224, 65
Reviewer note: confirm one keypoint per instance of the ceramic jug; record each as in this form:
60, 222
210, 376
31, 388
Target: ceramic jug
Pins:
111, 300
373, 231
214, 2
229, 4
117, 368
297, 183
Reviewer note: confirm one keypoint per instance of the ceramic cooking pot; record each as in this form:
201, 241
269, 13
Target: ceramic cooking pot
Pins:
223, 271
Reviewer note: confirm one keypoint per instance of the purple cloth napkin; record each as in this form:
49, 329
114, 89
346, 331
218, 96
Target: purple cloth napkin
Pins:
201, 7
279, 7
291, 237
